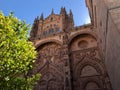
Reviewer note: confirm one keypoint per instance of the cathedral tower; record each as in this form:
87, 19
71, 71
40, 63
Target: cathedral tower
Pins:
68, 56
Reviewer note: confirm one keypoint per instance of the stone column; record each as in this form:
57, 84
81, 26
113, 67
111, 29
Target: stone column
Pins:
65, 57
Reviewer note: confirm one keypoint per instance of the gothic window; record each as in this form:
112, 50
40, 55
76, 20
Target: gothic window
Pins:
51, 19
51, 31
44, 33
57, 29
47, 26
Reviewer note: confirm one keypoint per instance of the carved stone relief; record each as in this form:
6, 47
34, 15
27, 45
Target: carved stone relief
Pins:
76, 63
50, 52
50, 65
86, 65
82, 42
49, 82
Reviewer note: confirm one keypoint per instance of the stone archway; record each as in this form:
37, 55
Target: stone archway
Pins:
49, 81
84, 61
88, 64
90, 33
82, 41
50, 66
87, 71
47, 41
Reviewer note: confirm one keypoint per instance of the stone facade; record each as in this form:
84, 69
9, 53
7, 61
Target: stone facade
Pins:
69, 57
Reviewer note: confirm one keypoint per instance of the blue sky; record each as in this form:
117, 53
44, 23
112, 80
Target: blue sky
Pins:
29, 9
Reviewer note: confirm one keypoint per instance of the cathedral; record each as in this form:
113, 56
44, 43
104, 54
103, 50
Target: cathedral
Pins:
75, 57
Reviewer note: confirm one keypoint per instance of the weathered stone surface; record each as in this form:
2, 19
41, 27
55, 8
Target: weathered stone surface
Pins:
79, 58
107, 20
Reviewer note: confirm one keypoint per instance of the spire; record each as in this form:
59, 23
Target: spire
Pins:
52, 11
63, 10
71, 14
36, 19
42, 17
71, 21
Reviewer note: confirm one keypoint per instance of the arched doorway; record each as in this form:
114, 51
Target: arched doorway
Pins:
50, 66
83, 50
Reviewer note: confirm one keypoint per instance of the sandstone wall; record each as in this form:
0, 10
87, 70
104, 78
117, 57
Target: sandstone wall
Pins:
106, 15
112, 58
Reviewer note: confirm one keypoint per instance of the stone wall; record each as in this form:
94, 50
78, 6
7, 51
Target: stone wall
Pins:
106, 16
112, 59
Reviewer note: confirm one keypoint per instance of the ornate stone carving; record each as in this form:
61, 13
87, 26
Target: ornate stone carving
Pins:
50, 65
50, 52
86, 53
75, 60
65, 38
49, 82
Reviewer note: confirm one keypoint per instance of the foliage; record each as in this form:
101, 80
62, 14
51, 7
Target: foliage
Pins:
17, 55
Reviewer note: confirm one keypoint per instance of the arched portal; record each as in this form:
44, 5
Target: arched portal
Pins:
82, 41
50, 66
92, 34
49, 52
83, 51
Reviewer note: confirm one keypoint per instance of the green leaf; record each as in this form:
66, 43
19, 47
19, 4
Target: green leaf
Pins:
16, 54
